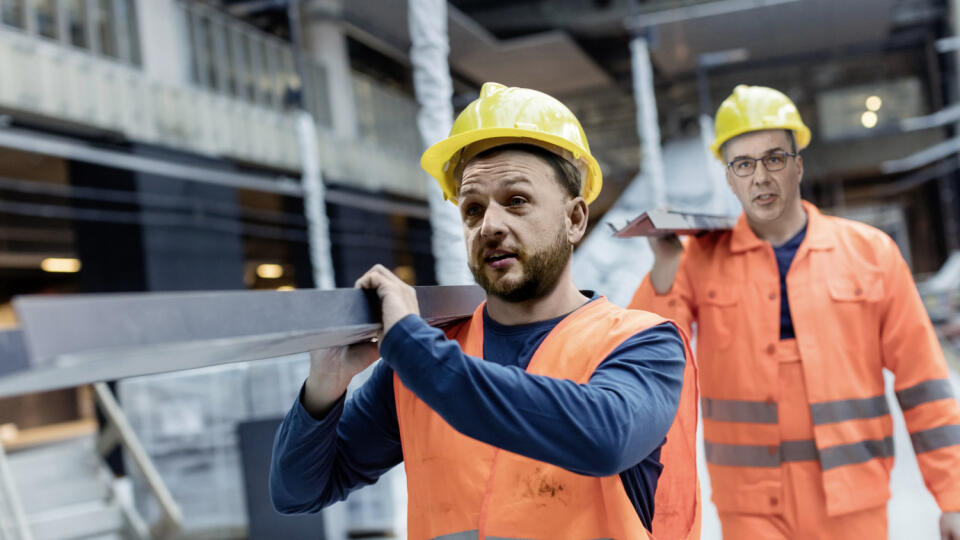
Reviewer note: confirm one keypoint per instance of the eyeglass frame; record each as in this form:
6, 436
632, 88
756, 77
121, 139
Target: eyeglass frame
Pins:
784, 153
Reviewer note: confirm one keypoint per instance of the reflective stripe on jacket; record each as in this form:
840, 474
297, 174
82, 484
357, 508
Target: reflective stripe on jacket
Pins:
461, 488
855, 311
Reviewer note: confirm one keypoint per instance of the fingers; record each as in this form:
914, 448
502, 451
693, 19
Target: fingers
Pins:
376, 277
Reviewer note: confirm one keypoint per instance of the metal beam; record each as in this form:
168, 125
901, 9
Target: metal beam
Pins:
940, 118
664, 222
924, 157
697, 11
52, 145
75, 340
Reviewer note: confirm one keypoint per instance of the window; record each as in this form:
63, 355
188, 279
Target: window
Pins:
76, 23
12, 13
46, 18
104, 21
235, 59
861, 111
105, 27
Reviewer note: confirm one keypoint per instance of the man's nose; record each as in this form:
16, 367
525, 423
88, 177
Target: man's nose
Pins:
760, 173
493, 222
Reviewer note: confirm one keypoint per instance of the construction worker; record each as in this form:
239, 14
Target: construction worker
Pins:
542, 416
797, 314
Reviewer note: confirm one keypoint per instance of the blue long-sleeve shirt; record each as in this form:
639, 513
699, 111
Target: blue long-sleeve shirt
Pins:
614, 424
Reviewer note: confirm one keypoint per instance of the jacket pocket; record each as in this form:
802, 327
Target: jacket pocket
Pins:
856, 288
717, 321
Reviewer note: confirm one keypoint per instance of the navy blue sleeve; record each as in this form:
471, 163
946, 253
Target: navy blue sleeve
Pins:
600, 428
317, 462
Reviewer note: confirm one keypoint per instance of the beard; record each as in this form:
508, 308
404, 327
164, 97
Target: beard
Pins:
541, 272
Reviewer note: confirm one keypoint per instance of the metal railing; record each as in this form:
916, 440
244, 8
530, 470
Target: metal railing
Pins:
118, 432
233, 58
13, 522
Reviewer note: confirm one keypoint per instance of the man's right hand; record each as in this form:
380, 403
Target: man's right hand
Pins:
331, 370
667, 251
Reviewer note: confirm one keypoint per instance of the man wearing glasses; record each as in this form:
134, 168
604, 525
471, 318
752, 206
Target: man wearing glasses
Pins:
797, 315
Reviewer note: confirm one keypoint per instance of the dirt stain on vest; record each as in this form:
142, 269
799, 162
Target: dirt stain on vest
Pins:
541, 485
548, 488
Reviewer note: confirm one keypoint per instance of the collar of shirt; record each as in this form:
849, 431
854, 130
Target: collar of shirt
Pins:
491, 325
818, 234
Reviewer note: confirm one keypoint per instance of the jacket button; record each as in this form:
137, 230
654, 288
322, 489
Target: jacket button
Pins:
712, 294
774, 501
672, 303
773, 296
772, 449
771, 348
858, 292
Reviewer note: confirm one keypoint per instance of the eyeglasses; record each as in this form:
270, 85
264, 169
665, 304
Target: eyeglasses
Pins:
772, 162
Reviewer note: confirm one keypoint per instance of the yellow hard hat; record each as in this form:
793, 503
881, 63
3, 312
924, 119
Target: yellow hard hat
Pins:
509, 115
756, 108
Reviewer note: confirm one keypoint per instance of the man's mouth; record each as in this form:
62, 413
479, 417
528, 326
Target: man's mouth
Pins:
499, 259
765, 198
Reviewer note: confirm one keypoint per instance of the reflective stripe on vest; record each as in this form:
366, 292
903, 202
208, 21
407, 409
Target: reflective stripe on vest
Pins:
473, 535
936, 438
735, 410
753, 455
918, 394
829, 412
758, 455
465, 535
853, 453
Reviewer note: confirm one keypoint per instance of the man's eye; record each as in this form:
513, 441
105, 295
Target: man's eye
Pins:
517, 201
472, 210
742, 164
774, 160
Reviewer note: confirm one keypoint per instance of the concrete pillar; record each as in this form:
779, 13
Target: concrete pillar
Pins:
429, 50
948, 184
648, 127
326, 45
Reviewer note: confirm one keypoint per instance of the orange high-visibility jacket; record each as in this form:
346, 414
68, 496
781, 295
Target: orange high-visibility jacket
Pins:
460, 488
855, 310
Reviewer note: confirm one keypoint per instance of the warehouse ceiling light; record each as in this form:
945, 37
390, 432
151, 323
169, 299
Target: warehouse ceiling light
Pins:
60, 265
285, 288
874, 103
270, 271
869, 119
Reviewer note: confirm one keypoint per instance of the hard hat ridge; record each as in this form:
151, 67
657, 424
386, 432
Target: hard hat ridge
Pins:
757, 108
508, 115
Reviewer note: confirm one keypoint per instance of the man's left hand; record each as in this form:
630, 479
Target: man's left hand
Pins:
950, 526
397, 299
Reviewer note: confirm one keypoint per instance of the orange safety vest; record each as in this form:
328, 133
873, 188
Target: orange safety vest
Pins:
460, 488
855, 311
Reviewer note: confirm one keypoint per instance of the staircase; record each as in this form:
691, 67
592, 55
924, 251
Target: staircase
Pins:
66, 492
63, 490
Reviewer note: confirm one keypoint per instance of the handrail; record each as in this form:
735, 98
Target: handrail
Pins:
123, 434
12, 500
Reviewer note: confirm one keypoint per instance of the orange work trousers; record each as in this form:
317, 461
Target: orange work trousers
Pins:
804, 504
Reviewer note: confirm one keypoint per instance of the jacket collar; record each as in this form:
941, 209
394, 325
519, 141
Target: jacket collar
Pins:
818, 233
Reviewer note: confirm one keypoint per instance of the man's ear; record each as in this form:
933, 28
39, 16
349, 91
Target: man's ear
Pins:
577, 215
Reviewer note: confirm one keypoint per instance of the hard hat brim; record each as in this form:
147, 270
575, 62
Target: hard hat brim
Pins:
436, 160
801, 133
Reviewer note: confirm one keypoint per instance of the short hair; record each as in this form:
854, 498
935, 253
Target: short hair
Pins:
566, 174
790, 135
